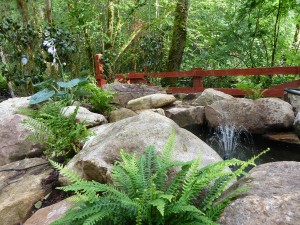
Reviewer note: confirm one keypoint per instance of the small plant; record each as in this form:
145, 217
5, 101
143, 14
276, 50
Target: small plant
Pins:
99, 98
61, 136
143, 192
253, 91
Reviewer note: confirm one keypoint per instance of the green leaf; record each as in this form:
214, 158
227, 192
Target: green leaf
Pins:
168, 197
38, 205
160, 205
71, 83
41, 96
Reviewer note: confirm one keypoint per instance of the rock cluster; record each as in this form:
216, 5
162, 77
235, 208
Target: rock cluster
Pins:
147, 116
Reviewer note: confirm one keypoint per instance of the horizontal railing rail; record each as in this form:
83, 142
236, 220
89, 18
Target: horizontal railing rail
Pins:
198, 74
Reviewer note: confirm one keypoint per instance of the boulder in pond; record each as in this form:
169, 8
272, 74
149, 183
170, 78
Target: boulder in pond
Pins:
256, 116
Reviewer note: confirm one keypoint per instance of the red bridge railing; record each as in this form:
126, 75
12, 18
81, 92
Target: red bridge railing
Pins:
198, 74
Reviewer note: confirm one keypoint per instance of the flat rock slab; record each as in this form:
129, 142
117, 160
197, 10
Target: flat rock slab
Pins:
151, 102
47, 215
20, 188
274, 198
288, 137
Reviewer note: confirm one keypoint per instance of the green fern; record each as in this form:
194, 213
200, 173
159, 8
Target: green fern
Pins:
61, 136
143, 193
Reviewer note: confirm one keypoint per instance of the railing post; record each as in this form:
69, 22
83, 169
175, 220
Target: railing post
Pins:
99, 70
197, 80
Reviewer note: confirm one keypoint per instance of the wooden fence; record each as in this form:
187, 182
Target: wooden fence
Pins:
198, 74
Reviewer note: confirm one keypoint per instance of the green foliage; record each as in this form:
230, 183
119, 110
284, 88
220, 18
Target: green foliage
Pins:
99, 98
15, 40
253, 91
61, 136
145, 192
61, 90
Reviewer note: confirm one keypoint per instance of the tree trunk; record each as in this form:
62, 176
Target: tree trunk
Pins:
48, 11
178, 39
22, 6
276, 34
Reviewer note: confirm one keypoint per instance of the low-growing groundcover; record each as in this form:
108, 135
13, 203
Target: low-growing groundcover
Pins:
143, 191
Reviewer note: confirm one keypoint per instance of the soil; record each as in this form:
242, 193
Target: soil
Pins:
50, 184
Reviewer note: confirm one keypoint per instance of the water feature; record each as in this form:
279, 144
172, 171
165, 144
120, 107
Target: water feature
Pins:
230, 141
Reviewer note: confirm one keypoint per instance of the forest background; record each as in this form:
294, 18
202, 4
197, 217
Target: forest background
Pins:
148, 35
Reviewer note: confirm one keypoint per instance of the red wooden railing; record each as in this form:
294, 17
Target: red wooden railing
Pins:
198, 74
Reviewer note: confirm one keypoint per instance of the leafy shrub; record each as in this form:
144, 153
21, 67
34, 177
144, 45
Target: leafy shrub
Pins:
142, 193
62, 136
58, 90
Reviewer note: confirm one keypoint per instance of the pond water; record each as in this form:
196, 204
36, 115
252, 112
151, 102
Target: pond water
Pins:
243, 146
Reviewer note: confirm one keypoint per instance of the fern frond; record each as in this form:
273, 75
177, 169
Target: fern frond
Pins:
191, 179
215, 191
167, 152
72, 176
39, 131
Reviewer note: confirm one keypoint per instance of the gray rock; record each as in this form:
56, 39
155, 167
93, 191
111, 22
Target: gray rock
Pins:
12, 104
274, 198
210, 96
49, 214
185, 116
127, 92
151, 101
85, 116
120, 114
158, 110
20, 188
294, 100
96, 159
256, 116
297, 124
14, 145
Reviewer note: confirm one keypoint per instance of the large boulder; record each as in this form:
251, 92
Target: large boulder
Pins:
20, 188
49, 214
210, 96
151, 101
85, 116
273, 199
297, 124
96, 159
256, 116
127, 92
13, 138
186, 115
